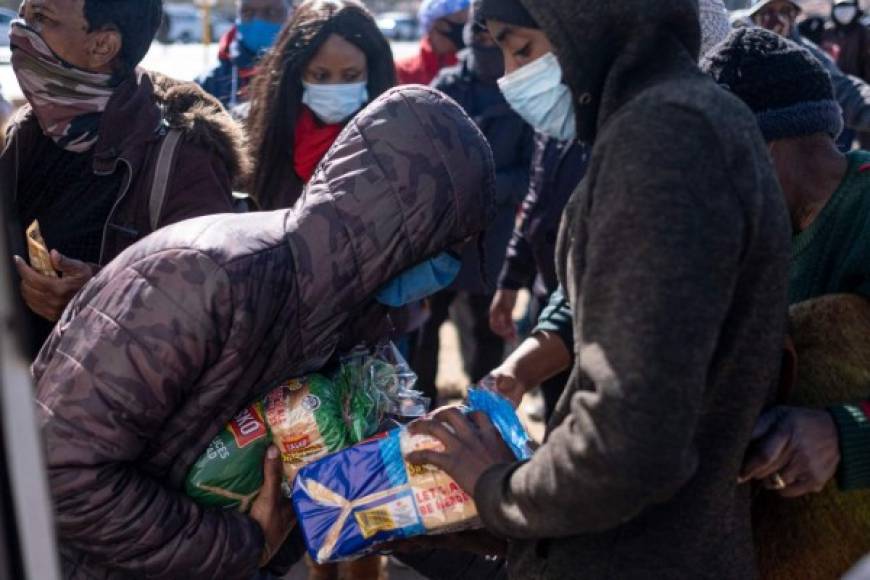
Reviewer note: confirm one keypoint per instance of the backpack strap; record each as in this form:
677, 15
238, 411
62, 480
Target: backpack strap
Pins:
162, 173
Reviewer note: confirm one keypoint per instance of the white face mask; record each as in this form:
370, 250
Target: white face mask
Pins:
335, 103
538, 95
845, 14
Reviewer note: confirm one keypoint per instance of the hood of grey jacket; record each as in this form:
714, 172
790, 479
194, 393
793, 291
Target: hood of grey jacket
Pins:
604, 46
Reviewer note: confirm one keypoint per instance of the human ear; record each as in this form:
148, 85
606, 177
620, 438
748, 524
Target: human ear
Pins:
105, 47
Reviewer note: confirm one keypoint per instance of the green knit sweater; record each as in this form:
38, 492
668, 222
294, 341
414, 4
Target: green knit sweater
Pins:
832, 256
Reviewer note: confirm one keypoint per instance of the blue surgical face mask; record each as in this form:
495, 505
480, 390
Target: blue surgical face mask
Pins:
257, 35
421, 281
538, 95
335, 103
844, 14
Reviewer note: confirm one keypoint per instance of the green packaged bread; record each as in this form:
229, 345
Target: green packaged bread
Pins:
306, 418
230, 473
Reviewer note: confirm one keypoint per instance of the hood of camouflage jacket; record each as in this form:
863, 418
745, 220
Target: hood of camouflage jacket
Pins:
407, 195
185, 328
610, 50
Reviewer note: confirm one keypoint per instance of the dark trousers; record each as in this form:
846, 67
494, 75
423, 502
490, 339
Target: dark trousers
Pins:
482, 350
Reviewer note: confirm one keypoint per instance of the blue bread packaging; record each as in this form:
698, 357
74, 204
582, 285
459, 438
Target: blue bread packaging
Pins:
350, 502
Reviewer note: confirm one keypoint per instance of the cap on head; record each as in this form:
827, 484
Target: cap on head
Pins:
786, 87
432, 10
756, 6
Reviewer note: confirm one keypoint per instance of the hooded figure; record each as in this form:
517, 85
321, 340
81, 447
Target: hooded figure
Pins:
190, 325
674, 256
847, 39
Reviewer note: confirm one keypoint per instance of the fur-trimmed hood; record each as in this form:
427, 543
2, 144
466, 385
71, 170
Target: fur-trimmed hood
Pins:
608, 48
205, 122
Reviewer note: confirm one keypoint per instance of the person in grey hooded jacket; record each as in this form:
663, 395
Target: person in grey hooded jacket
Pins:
674, 256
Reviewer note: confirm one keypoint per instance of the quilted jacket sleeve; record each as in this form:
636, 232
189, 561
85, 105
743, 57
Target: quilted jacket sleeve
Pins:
105, 388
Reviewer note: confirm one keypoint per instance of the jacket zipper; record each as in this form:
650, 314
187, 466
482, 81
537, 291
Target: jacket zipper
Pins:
114, 209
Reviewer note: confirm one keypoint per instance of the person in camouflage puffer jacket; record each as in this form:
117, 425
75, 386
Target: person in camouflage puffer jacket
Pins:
160, 350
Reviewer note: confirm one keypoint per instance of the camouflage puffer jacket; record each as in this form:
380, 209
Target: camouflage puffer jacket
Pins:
159, 351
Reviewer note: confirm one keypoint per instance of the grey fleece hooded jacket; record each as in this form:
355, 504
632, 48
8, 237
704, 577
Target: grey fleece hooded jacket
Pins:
674, 255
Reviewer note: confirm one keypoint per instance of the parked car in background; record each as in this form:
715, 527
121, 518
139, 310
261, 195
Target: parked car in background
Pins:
6, 16
399, 26
182, 23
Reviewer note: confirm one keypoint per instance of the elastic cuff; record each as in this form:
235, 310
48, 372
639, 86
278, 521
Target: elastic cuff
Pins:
853, 424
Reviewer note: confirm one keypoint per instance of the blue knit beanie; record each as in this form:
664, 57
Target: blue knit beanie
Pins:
786, 87
432, 10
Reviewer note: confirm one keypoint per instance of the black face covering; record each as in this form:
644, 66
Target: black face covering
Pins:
455, 34
487, 62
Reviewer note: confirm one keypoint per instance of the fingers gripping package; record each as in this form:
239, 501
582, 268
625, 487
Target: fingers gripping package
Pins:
350, 502
306, 418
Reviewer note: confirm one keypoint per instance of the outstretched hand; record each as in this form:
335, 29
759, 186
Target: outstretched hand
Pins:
505, 382
471, 443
